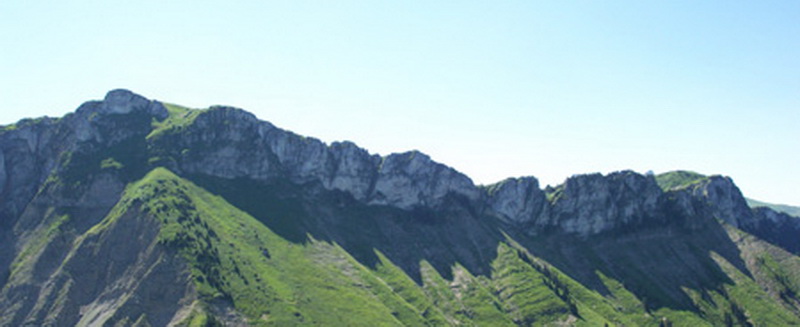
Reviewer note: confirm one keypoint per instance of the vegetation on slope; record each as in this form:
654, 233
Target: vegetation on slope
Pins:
270, 280
179, 117
236, 259
678, 179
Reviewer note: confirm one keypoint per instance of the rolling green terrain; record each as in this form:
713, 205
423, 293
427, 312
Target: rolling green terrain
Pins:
139, 225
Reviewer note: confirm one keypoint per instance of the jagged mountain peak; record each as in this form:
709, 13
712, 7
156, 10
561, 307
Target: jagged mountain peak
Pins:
122, 101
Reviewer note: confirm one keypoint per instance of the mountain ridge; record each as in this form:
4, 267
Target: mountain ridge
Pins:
404, 180
449, 251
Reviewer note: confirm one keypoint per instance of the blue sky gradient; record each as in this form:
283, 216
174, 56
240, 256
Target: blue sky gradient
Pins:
494, 89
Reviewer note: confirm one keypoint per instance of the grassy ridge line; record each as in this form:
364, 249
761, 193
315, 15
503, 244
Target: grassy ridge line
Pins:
388, 275
268, 279
525, 290
678, 179
179, 117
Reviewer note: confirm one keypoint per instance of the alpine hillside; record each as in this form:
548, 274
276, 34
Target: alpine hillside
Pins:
134, 212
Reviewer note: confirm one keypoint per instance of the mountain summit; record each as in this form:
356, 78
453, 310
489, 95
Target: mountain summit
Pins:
133, 212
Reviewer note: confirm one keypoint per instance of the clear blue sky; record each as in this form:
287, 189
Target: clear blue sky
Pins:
492, 88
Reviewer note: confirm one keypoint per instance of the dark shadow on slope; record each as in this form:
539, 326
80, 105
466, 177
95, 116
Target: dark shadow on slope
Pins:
443, 238
277, 205
782, 231
654, 262
6, 254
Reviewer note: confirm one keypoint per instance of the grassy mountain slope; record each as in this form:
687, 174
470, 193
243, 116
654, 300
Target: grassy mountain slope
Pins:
270, 280
678, 179
266, 278
237, 262
118, 237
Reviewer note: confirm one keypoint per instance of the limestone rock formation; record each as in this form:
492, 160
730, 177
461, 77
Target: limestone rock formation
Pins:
518, 200
590, 204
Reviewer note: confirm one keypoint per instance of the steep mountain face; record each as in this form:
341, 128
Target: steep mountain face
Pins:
131, 212
776, 227
230, 143
724, 201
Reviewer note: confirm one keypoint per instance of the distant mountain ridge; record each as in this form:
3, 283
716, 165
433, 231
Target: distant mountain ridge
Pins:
132, 212
787, 209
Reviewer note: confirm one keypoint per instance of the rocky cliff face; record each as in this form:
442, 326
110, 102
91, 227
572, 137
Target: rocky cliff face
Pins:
583, 205
31, 149
724, 199
231, 143
776, 227
519, 201
246, 147
50, 198
591, 204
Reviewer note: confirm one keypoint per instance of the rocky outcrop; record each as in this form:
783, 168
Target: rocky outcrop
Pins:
29, 153
122, 101
412, 179
583, 205
52, 185
591, 204
724, 199
518, 200
775, 227
594, 203
231, 143
768, 216
117, 103
354, 170
32, 150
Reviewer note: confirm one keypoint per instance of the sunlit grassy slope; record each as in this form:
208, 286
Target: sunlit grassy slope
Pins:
269, 280
678, 179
